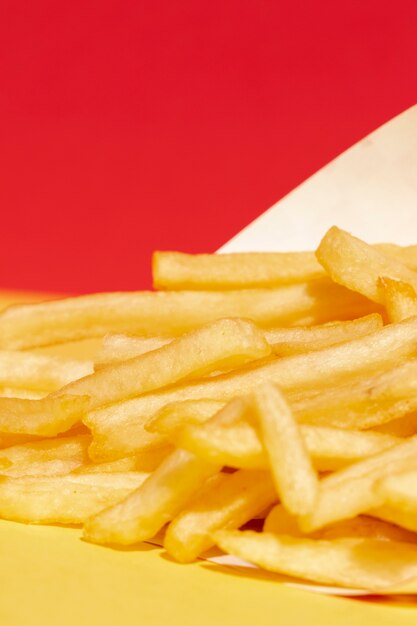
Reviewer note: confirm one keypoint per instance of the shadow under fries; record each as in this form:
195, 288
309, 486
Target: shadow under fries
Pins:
155, 543
401, 601
234, 570
136, 547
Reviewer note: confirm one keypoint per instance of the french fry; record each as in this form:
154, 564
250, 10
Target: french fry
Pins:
22, 394
119, 431
295, 480
400, 298
231, 501
173, 313
26, 370
47, 457
55, 467
147, 461
372, 564
66, 499
126, 464
87, 348
225, 343
172, 417
298, 340
358, 266
365, 403
280, 522
146, 510
367, 527
373, 417
118, 347
176, 270
47, 417
239, 445
333, 448
351, 491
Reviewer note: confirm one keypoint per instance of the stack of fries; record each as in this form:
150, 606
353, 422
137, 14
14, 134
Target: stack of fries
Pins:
279, 386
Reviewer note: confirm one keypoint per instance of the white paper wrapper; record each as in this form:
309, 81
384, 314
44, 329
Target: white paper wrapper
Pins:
369, 190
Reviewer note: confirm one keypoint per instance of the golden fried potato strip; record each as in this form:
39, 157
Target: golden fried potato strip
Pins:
176, 270
173, 313
372, 564
68, 499
356, 265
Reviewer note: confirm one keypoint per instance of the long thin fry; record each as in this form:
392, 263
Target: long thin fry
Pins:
39, 372
176, 270
372, 564
47, 417
22, 394
146, 461
364, 403
289, 341
47, 457
291, 467
87, 348
280, 522
66, 499
175, 416
118, 347
173, 313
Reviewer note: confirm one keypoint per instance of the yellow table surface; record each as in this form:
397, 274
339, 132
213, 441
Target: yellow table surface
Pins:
50, 577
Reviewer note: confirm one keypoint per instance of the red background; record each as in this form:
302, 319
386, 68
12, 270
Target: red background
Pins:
134, 125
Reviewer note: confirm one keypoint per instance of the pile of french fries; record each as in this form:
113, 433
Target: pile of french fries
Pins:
279, 387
